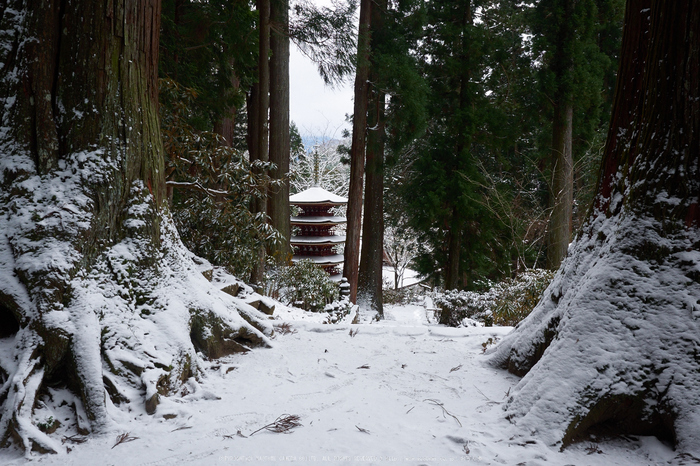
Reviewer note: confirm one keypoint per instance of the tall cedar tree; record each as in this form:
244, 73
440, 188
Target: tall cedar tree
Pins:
571, 81
619, 322
396, 116
259, 134
280, 143
369, 279
357, 151
94, 274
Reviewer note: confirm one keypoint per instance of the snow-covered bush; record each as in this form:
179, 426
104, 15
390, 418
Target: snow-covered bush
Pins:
517, 297
305, 285
338, 311
505, 303
463, 308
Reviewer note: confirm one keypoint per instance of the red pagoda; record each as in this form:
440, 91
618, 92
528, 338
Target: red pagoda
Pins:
316, 238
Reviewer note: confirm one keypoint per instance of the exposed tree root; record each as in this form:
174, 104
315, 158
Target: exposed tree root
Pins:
130, 334
613, 345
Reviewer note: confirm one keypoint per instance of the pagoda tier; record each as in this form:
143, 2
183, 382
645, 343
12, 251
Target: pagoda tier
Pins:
332, 259
302, 240
316, 239
317, 220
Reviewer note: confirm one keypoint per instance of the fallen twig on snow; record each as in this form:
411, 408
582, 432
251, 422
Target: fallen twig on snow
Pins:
487, 398
592, 448
444, 411
456, 368
124, 438
363, 430
181, 428
282, 424
74, 439
237, 434
285, 329
364, 366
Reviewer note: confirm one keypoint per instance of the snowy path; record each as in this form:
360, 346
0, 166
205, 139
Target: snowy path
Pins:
397, 392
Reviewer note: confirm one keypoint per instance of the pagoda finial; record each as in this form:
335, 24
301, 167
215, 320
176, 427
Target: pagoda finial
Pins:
317, 174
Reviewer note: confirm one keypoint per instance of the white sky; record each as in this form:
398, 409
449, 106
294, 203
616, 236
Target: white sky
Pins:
317, 110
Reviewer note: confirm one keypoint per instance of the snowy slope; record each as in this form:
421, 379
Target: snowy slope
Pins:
396, 392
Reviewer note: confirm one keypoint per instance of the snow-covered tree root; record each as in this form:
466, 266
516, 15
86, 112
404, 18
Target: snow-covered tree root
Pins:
123, 333
614, 345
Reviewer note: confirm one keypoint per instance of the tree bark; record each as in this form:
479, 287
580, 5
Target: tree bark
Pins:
370, 279
462, 147
93, 272
263, 104
278, 197
226, 126
561, 194
454, 248
369, 282
619, 323
357, 152
562, 190
253, 129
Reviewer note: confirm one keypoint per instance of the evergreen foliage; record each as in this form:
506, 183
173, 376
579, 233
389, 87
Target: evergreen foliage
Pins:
476, 184
327, 36
212, 186
459, 240
468, 87
205, 46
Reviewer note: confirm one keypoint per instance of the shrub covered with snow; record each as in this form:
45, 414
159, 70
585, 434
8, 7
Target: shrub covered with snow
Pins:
305, 285
516, 297
464, 308
406, 295
505, 303
339, 311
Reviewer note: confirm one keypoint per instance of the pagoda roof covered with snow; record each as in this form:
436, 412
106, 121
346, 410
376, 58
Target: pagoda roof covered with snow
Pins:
317, 195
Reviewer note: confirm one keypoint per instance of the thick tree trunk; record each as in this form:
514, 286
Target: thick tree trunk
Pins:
613, 344
253, 129
455, 234
561, 194
263, 133
278, 197
369, 283
562, 190
226, 127
94, 276
454, 248
370, 279
357, 152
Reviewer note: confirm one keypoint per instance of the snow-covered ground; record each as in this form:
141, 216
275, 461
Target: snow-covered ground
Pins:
401, 391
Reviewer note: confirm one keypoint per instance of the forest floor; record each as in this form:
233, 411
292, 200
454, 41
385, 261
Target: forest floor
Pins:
399, 391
